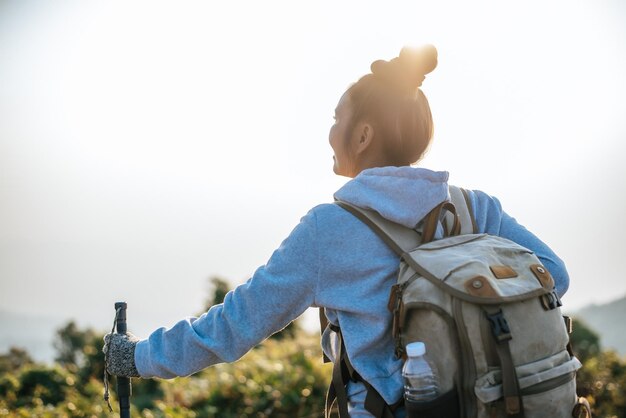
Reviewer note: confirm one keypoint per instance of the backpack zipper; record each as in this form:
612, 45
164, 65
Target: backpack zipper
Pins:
548, 384
468, 368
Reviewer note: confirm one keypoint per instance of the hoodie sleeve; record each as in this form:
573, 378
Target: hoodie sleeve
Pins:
277, 293
491, 219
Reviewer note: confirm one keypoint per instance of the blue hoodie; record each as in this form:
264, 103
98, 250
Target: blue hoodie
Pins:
331, 259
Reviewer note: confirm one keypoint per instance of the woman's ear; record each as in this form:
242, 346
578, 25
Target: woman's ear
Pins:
363, 137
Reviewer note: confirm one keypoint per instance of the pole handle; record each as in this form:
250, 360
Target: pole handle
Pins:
124, 389
120, 322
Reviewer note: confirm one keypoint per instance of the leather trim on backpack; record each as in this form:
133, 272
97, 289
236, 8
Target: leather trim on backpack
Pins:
480, 286
503, 272
543, 275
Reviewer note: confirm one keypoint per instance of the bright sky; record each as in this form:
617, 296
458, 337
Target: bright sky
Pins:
146, 146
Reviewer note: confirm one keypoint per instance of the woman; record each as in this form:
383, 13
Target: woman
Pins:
383, 125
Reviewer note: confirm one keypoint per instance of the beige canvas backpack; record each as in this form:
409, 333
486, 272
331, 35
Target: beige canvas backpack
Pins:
490, 317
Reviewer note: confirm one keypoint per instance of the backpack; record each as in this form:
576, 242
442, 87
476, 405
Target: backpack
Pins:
490, 317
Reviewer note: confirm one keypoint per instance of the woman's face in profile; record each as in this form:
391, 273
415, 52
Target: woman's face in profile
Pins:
338, 138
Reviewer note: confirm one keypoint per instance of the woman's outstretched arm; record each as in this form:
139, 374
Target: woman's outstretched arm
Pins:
277, 293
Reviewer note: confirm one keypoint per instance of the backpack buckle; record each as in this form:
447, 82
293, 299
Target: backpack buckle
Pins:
499, 327
551, 301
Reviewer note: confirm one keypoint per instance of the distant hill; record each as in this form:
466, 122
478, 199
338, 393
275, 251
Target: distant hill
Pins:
609, 321
30, 332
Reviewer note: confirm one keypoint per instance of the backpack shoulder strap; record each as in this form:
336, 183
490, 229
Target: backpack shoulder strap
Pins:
460, 200
400, 238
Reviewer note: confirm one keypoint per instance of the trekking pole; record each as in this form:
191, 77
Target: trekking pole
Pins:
123, 383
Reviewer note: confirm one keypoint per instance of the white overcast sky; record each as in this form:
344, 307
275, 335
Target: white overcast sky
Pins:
148, 145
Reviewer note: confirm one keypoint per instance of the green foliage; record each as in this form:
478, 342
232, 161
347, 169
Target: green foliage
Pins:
48, 384
602, 379
9, 385
289, 332
277, 379
146, 393
14, 360
585, 341
70, 342
92, 364
86, 402
79, 351
220, 289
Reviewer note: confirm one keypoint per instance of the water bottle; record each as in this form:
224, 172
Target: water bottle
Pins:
420, 380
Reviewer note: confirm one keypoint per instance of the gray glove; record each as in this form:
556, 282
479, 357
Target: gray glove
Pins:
119, 354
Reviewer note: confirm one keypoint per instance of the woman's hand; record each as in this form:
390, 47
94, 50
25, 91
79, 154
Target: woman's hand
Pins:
119, 354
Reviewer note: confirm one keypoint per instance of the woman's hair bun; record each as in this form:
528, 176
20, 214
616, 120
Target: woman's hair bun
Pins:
407, 70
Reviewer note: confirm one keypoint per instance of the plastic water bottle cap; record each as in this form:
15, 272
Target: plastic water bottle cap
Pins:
416, 349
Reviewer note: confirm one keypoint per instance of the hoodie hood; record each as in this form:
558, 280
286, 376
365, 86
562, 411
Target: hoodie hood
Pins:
400, 194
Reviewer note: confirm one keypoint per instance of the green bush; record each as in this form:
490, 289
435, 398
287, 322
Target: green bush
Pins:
9, 385
602, 380
47, 384
15, 359
278, 379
